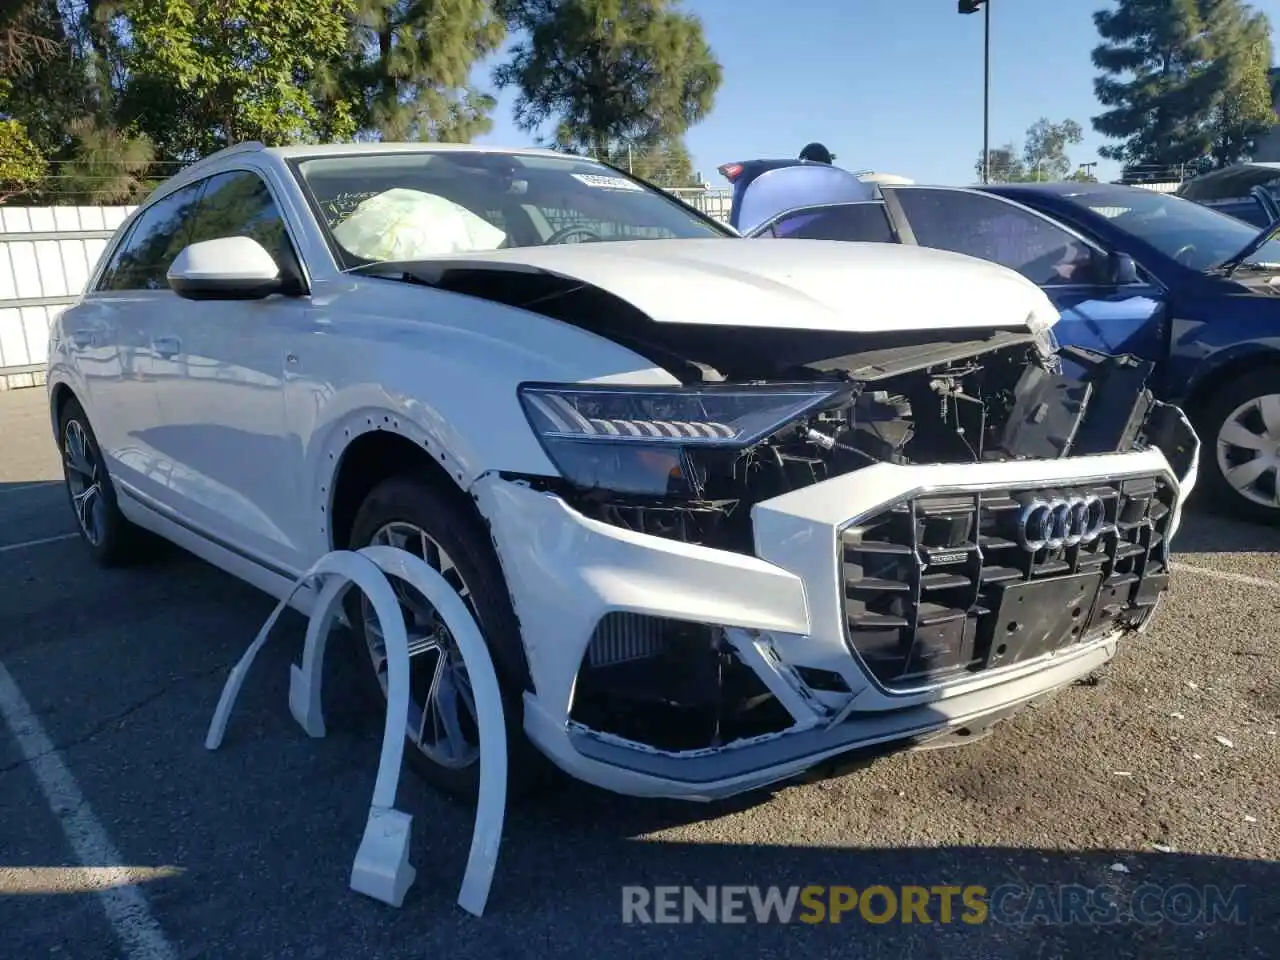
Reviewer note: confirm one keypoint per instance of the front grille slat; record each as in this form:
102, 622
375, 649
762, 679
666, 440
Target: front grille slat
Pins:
925, 577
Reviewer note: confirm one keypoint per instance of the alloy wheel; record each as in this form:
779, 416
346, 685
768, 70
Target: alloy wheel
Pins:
1248, 450
442, 721
84, 481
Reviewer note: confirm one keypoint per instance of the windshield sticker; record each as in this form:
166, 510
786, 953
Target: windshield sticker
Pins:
607, 183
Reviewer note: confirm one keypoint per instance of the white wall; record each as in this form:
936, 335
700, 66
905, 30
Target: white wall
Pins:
46, 256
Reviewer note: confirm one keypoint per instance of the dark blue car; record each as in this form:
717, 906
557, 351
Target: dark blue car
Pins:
1131, 271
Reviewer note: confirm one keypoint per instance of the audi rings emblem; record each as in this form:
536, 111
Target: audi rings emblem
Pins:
1061, 522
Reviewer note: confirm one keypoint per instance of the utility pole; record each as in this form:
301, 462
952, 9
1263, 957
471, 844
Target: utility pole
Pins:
967, 7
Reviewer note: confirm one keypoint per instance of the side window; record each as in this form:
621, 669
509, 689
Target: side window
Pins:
990, 229
238, 204
856, 221
160, 233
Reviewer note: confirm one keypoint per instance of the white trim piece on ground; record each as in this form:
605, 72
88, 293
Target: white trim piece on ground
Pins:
1227, 575
124, 903
9, 547
491, 805
381, 868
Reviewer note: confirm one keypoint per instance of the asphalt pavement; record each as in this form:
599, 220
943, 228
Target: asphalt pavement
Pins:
1157, 785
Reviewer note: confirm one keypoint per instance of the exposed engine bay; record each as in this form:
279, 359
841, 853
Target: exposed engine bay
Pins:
1009, 403
960, 396
915, 396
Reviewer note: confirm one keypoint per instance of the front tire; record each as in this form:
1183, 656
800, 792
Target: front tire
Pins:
112, 540
1240, 437
442, 735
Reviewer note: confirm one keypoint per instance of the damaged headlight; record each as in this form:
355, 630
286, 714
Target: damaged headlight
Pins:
649, 441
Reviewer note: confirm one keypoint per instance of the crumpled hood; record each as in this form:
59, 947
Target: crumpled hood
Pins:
831, 285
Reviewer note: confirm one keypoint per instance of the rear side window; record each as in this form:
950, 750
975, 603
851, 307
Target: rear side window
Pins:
239, 204
988, 228
158, 236
858, 221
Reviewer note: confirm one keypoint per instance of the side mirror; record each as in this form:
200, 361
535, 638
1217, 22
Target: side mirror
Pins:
1122, 269
228, 268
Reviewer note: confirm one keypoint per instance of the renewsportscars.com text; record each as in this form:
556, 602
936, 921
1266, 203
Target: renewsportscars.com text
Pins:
1009, 904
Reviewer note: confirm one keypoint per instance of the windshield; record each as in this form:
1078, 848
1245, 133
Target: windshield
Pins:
1196, 236
415, 205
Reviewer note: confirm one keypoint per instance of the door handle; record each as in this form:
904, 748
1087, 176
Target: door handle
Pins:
166, 346
82, 338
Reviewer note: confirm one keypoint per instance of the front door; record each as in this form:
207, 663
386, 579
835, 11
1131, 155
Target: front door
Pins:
236, 466
1096, 313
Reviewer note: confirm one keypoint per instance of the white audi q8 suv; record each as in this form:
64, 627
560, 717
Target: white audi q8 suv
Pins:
725, 511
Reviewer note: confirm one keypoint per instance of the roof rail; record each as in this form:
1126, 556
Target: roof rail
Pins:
248, 146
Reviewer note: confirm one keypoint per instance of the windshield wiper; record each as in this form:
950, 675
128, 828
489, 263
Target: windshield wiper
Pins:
1229, 266
383, 266
1244, 266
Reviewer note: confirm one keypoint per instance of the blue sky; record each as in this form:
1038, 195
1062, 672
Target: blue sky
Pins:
894, 85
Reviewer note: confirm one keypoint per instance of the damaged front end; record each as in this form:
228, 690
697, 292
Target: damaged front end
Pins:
928, 579
820, 535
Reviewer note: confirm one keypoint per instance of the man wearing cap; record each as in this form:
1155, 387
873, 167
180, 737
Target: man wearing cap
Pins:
816, 153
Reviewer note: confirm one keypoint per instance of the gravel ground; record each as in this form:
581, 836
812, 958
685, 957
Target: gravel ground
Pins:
1162, 776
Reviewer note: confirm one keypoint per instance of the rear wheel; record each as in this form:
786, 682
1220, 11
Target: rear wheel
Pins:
442, 728
1240, 438
112, 540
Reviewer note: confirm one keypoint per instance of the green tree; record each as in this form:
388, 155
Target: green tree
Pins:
408, 64
1180, 80
207, 73
21, 166
25, 38
1004, 165
1043, 155
63, 89
1153, 57
664, 162
1241, 71
606, 73
1045, 152
105, 165
1081, 176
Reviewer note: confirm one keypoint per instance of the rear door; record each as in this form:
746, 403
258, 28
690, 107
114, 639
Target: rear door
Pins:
114, 333
1072, 270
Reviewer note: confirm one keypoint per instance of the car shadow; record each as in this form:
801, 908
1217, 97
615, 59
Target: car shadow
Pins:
1207, 528
1038, 902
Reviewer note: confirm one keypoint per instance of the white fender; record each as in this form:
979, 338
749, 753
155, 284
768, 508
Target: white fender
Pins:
381, 868
491, 803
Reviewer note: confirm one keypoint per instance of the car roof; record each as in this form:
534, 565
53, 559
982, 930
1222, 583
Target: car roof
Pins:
1057, 188
206, 165
301, 151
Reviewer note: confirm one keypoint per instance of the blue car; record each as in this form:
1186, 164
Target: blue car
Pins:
1132, 271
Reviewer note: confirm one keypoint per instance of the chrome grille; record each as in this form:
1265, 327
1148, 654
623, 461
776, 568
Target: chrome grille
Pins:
924, 578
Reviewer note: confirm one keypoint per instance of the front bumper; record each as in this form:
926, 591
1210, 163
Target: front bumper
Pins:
784, 611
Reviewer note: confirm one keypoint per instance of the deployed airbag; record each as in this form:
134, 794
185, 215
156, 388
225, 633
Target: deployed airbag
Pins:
403, 224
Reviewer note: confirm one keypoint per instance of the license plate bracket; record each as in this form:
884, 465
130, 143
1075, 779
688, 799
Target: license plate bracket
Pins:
1037, 616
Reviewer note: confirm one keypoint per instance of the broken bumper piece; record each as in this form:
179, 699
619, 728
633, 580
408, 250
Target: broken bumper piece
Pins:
882, 609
